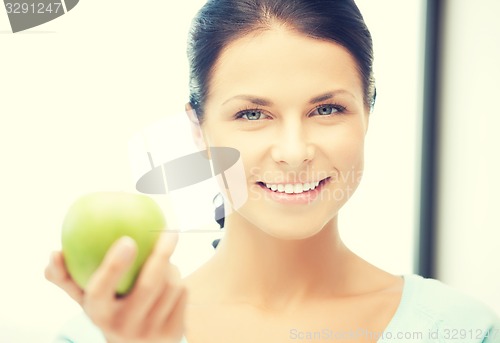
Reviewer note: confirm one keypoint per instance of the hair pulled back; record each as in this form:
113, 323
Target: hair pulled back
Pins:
220, 22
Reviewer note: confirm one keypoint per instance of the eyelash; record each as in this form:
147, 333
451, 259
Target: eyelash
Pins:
241, 113
339, 110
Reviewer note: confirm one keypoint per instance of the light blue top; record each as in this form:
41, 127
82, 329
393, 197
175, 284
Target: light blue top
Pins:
429, 311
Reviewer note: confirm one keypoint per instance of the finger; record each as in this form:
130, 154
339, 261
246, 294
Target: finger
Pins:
152, 279
57, 273
174, 321
167, 243
167, 301
119, 258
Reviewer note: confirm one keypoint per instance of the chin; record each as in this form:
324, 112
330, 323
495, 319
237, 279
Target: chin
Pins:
284, 225
292, 232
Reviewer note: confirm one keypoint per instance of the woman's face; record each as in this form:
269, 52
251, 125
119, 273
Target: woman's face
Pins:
293, 107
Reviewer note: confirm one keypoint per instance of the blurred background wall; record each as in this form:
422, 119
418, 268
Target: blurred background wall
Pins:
468, 241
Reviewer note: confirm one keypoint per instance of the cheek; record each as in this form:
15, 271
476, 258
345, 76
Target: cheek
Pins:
252, 146
350, 152
345, 152
251, 149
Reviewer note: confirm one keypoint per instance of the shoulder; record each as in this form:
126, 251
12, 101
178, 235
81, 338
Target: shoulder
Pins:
438, 300
455, 315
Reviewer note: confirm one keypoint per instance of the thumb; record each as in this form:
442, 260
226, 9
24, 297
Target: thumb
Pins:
167, 243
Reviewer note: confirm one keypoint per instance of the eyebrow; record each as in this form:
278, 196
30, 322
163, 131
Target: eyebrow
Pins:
266, 102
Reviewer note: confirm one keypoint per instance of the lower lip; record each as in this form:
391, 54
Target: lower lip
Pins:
303, 198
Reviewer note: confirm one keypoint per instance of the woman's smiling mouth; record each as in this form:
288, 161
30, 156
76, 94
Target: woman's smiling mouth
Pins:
294, 193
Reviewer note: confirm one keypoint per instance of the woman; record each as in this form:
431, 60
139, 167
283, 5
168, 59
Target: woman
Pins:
289, 84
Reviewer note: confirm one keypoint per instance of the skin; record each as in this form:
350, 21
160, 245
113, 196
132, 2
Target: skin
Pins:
279, 259
278, 266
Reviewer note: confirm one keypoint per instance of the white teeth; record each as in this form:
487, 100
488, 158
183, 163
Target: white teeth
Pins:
289, 188
297, 188
292, 188
272, 187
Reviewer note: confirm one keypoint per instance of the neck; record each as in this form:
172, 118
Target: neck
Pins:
260, 269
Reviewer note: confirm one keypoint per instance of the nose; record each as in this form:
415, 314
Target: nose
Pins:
292, 146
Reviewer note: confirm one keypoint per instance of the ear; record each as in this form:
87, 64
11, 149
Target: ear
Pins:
196, 130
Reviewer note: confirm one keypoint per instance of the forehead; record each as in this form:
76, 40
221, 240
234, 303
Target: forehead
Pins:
284, 64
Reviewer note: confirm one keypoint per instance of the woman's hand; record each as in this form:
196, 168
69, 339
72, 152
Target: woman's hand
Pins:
152, 312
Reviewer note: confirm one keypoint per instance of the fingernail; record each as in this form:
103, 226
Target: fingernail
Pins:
127, 247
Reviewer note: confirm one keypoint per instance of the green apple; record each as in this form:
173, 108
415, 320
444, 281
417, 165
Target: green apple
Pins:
96, 220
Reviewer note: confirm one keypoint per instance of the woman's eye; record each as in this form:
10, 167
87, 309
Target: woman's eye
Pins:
325, 110
251, 115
